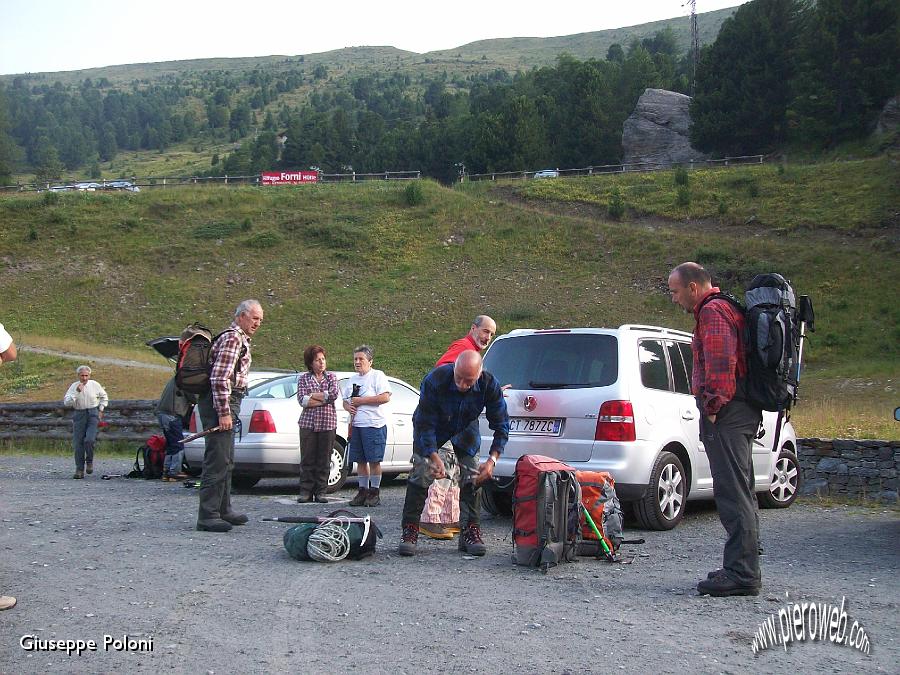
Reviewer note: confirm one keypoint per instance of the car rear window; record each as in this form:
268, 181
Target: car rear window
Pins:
283, 387
554, 361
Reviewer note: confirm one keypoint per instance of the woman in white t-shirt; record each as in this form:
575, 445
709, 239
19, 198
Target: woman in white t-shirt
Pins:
364, 394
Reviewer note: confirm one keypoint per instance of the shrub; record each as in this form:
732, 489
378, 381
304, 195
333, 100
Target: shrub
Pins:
681, 176
246, 225
266, 239
32, 234
56, 217
683, 196
616, 206
413, 194
215, 230
51, 198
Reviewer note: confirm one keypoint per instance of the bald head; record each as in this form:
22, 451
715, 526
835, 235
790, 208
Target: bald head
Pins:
467, 370
688, 283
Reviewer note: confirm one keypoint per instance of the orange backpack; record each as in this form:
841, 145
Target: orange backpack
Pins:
598, 496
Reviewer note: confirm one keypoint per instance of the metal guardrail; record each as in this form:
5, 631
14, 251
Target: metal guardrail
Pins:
640, 167
154, 182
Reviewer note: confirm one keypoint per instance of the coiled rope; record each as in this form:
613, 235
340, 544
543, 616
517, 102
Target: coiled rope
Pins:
330, 541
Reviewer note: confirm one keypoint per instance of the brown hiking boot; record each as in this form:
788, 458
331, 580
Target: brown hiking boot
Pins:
408, 539
470, 540
78, 473
90, 467
435, 531
360, 498
374, 497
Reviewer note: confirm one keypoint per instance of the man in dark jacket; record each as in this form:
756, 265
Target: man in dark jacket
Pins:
728, 424
450, 399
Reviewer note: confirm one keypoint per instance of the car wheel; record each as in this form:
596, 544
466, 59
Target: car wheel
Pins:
785, 484
495, 501
663, 505
244, 482
338, 470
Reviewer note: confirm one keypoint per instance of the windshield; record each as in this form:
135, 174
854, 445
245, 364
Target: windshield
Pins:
554, 361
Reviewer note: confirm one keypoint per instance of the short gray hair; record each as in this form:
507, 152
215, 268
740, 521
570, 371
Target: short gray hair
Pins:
246, 306
80, 368
367, 350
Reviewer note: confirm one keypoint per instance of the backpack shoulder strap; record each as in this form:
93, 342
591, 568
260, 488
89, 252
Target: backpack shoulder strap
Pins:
723, 296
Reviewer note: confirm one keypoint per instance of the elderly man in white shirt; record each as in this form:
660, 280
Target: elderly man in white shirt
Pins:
89, 399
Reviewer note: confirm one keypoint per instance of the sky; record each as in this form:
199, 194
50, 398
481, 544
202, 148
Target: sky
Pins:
56, 35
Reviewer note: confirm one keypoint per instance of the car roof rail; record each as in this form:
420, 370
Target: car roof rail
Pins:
655, 329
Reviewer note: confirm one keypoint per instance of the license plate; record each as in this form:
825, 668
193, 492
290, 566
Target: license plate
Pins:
534, 426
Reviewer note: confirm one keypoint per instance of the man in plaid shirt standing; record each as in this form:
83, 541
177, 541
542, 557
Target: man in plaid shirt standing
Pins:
728, 424
230, 367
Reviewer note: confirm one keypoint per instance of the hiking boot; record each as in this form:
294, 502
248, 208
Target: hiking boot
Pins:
470, 540
90, 467
374, 497
320, 498
452, 528
213, 526
360, 498
721, 586
78, 473
714, 573
408, 539
235, 518
435, 531
304, 498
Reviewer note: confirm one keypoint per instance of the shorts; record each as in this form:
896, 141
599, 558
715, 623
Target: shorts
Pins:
367, 444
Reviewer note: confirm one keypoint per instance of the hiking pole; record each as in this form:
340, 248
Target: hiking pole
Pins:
590, 521
200, 434
110, 476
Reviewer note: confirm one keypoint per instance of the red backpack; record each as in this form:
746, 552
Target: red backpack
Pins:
150, 459
546, 512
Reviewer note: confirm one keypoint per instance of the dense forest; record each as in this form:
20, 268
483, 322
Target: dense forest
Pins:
780, 72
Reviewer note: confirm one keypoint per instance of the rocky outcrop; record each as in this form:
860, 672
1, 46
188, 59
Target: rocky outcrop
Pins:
657, 130
889, 120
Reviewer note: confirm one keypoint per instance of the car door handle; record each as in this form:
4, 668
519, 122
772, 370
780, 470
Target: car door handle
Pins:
688, 415
399, 423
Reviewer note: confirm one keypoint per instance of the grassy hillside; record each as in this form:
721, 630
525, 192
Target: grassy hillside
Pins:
352, 263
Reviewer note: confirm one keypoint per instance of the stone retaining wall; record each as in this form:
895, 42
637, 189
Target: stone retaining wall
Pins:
847, 468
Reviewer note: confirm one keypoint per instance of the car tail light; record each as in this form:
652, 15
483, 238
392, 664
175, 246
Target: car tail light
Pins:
615, 422
192, 426
261, 422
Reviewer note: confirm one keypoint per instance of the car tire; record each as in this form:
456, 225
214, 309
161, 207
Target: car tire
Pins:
662, 507
338, 470
244, 482
785, 484
495, 501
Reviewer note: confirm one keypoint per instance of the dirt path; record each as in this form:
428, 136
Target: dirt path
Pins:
95, 359
91, 558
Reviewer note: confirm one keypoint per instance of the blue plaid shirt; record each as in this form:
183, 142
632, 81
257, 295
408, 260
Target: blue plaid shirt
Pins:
444, 411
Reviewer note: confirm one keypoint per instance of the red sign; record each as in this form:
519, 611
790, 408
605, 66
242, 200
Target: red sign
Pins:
289, 177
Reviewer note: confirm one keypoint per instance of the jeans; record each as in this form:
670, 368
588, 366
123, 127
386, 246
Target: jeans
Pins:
84, 435
173, 430
729, 448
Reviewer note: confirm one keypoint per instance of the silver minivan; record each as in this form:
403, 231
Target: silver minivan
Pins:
618, 400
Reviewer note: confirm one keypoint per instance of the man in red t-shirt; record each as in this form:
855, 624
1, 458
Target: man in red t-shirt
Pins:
477, 339
728, 424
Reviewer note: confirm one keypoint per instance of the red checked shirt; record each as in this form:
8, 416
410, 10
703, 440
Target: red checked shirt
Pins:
457, 348
226, 372
323, 417
718, 353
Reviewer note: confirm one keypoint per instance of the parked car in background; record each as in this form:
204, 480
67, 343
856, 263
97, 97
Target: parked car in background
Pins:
120, 185
619, 400
87, 187
547, 173
269, 442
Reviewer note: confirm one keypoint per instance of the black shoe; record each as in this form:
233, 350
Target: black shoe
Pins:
374, 497
714, 573
214, 526
304, 498
320, 498
408, 539
235, 518
470, 540
721, 586
360, 498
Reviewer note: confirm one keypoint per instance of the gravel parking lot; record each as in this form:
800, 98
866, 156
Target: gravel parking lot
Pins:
93, 558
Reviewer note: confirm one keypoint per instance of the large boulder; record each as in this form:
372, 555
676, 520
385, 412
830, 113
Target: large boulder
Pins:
657, 130
889, 120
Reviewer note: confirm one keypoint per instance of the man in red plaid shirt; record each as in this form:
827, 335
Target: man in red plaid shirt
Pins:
728, 424
229, 370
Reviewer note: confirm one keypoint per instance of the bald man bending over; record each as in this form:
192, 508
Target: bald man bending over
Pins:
452, 397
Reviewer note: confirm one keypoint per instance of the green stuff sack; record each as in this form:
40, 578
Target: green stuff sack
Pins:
296, 539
